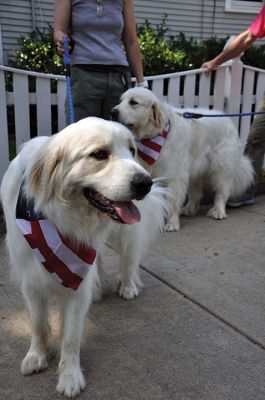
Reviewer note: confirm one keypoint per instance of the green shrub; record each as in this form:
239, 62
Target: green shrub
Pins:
37, 53
255, 56
196, 51
158, 55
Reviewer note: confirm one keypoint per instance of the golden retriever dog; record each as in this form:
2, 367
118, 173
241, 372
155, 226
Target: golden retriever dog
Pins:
61, 196
189, 153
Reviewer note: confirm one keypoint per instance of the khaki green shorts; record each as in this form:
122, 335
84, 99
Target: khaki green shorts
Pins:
96, 93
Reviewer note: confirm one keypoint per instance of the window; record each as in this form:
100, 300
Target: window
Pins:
244, 6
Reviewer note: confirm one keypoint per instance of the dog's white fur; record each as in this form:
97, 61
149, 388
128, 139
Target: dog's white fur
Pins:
197, 152
55, 170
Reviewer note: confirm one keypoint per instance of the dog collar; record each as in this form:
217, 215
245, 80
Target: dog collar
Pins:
149, 149
68, 262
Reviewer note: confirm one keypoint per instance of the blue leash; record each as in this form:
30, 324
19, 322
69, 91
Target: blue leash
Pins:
191, 115
68, 80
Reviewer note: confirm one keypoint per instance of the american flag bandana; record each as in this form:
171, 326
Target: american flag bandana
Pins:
149, 149
67, 262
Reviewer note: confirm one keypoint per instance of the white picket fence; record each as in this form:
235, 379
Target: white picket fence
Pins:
233, 88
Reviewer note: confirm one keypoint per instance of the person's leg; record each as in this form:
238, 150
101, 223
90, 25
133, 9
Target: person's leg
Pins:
255, 147
255, 150
118, 83
88, 91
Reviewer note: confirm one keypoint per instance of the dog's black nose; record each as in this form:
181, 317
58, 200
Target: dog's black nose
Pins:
141, 185
114, 114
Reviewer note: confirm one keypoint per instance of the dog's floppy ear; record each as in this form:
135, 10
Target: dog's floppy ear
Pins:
156, 114
42, 177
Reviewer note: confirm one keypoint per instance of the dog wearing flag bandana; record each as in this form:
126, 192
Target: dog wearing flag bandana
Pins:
61, 196
188, 153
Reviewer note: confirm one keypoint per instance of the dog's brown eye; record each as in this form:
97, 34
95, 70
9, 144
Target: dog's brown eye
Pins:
132, 150
100, 155
133, 102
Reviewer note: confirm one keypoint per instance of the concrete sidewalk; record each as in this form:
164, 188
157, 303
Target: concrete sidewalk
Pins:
196, 332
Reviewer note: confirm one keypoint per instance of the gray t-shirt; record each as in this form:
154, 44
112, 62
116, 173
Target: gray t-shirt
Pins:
97, 36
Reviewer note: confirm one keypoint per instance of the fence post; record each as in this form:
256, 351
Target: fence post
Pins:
4, 156
234, 91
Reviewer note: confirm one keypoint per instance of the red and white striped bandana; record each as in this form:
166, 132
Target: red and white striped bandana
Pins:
149, 149
67, 262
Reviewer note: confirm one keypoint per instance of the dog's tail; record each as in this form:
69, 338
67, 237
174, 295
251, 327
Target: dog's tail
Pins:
243, 176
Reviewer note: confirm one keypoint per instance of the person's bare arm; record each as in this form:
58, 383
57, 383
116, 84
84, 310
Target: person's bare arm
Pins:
62, 16
130, 41
238, 46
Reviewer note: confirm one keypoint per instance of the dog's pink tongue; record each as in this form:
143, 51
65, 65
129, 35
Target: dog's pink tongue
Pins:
128, 212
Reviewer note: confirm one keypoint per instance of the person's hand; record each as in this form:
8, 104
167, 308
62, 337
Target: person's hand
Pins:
58, 41
143, 84
210, 65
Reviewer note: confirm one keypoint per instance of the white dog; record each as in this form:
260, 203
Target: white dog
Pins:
62, 193
194, 152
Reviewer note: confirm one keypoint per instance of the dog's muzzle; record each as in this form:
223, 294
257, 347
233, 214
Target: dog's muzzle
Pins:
140, 186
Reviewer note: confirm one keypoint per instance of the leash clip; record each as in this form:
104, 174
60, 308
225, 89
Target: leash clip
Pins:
190, 115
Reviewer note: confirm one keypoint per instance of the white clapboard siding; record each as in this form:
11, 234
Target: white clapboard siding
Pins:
247, 101
196, 19
4, 147
21, 104
15, 20
43, 93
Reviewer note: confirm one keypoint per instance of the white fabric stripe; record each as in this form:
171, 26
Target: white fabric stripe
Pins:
150, 152
51, 234
67, 256
73, 262
24, 226
158, 140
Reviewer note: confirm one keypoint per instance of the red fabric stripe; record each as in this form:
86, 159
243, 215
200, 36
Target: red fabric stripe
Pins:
86, 253
154, 146
149, 160
52, 263
164, 134
63, 272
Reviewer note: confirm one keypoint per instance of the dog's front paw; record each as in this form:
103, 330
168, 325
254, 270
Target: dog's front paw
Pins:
189, 211
169, 227
33, 362
128, 292
172, 224
96, 294
216, 213
71, 382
